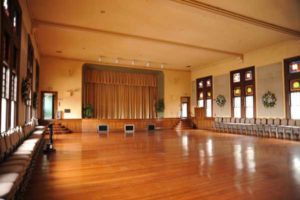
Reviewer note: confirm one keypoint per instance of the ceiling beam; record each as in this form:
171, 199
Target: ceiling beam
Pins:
38, 23
84, 61
239, 17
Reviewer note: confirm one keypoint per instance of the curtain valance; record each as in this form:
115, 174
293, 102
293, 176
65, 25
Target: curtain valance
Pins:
120, 78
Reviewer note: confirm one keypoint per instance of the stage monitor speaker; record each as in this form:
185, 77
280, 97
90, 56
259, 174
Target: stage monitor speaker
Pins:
129, 128
151, 127
103, 128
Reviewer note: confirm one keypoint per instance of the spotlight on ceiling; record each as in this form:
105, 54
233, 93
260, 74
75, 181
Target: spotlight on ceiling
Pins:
162, 66
148, 64
117, 60
133, 62
100, 59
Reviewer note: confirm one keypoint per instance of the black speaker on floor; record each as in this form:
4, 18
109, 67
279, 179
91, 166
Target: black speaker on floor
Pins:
151, 128
103, 128
129, 128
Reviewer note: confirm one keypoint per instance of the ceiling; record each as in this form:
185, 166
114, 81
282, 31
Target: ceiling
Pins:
177, 33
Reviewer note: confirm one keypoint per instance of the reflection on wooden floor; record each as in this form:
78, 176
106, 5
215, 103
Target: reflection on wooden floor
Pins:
167, 165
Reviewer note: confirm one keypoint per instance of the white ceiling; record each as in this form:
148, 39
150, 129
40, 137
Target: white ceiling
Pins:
159, 31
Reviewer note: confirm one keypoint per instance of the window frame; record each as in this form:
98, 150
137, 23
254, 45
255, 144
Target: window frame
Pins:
11, 62
29, 76
205, 89
243, 84
287, 78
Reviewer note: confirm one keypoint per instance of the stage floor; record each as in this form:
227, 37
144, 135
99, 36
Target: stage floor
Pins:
167, 165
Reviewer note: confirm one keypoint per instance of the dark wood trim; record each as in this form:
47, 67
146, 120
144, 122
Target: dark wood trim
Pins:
205, 89
287, 78
242, 84
12, 63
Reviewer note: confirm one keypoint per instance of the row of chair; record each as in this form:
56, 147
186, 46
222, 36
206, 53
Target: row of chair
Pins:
278, 128
18, 151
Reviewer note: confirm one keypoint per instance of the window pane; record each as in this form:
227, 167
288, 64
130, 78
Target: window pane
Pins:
7, 84
294, 67
201, 84
47, 106
12, 115
249, 107
248, 76
208, 108
200, 103
237, 107
295, 105
236, 77
208, 83
3, 115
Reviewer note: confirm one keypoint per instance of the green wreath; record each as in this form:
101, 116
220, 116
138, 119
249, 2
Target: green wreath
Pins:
220, 100
269, 99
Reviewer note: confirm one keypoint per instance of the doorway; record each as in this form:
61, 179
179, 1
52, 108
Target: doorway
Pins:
185, 107
49, 106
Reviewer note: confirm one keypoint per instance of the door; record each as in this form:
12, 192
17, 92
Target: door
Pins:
185, 107
49, 106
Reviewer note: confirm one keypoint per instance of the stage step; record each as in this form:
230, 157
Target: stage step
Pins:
59, 129
184, 124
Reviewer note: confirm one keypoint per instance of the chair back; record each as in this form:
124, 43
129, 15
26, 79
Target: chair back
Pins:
297, 123
243, 120
291, 122
263, 121
277, 121
258, 121
237, 120
270, 121
283, 122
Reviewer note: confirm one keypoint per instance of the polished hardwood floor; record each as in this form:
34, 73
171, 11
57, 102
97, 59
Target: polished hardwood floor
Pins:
167, 165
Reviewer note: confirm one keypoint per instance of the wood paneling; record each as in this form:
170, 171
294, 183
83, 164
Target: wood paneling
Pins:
72, 124
201, 121
166, 165
91, 125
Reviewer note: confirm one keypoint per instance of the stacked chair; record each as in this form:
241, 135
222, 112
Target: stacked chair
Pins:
278, 128
18, 151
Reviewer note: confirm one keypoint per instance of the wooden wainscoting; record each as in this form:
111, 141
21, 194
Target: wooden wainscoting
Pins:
75, 125
90, 125
201, 121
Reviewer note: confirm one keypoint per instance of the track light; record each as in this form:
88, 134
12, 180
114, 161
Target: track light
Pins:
117, 60
148, 64
162, 66
100, 59
133, 62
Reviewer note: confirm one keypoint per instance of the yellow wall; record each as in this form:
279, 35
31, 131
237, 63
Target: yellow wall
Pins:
62, 75
269, 76
26, 29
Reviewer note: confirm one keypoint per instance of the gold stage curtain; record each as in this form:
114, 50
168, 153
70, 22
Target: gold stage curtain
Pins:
120, 95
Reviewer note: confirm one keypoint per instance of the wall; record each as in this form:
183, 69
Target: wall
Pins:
25, 32
269, 76
61, 75
221, 86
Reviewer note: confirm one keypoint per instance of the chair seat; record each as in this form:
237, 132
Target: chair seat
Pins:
40, 127
12, 169
9, 177
6, 189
